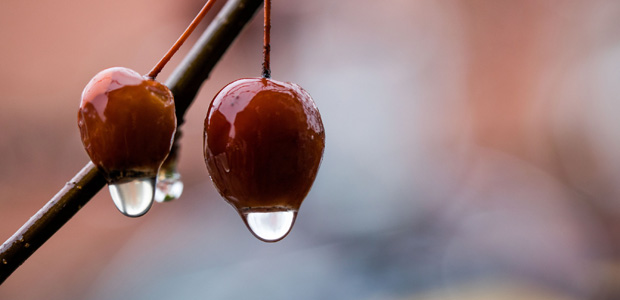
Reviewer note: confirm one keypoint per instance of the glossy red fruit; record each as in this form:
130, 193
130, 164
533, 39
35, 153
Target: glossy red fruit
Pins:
263, 144
127, 124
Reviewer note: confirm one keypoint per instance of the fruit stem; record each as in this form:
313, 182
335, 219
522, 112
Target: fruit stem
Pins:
164, 60
266, 38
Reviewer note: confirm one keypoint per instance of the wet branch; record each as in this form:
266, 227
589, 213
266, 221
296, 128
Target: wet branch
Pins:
184, 83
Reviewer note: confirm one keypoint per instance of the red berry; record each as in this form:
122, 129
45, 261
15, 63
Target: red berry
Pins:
263, 144
127, 123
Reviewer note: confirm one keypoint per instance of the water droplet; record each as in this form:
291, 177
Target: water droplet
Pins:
270, 226
222, 160
169, 186
133, 198
4, 261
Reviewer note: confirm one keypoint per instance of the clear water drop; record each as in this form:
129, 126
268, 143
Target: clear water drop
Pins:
133, 198
169, 186
270, 226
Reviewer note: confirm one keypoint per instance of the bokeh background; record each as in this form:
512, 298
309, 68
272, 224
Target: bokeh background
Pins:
472, 152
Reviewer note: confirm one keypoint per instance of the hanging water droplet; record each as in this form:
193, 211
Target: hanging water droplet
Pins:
169, 186
133, 198
270, 226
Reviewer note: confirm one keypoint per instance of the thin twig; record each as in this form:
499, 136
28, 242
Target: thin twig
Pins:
267, 40
164, 60
184, 83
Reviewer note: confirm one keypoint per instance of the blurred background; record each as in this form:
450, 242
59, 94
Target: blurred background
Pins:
472, 152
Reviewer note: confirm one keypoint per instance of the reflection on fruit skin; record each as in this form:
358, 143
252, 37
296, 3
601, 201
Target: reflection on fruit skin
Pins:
263, 145
127, 124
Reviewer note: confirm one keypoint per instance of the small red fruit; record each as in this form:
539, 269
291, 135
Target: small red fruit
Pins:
127, 124
263, 144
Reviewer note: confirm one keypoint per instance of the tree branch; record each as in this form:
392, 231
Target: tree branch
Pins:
184, 83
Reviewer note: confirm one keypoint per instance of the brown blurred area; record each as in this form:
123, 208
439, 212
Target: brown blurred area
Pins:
471, 152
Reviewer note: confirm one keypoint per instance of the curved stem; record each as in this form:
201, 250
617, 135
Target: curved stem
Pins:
164, 60
266, 40
184, 83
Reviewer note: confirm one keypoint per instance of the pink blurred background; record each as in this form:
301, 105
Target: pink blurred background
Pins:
471, 153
